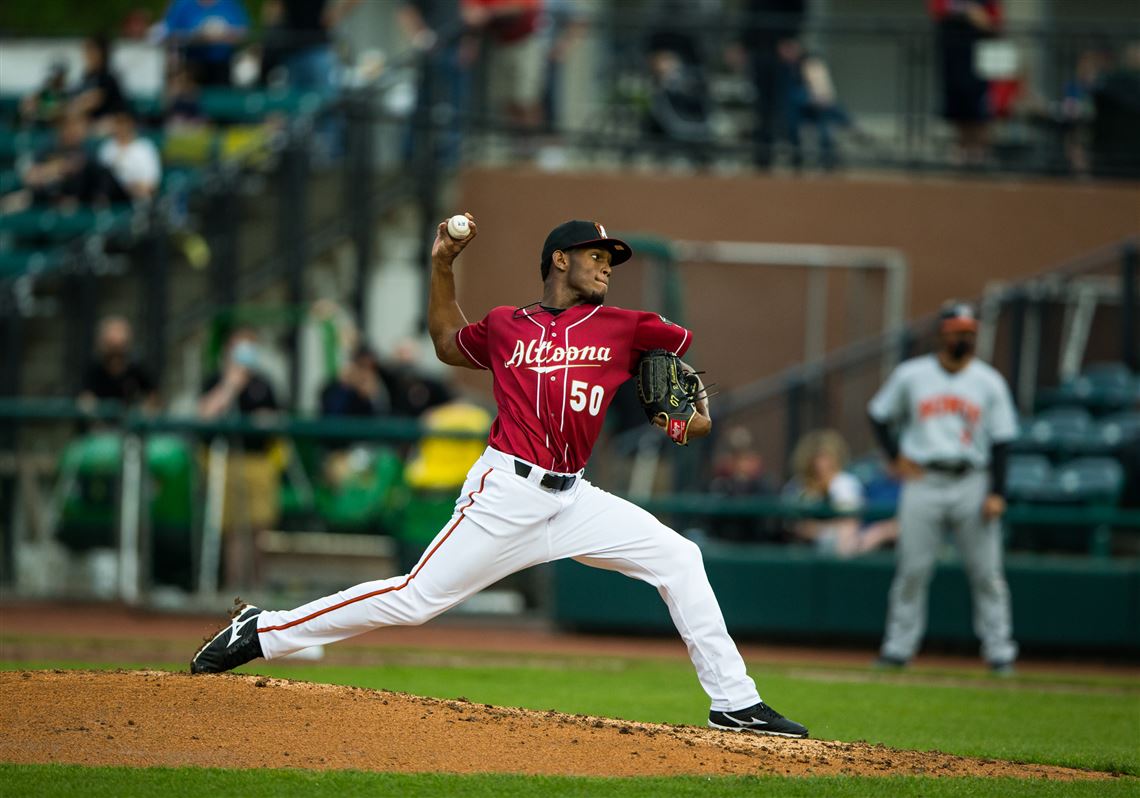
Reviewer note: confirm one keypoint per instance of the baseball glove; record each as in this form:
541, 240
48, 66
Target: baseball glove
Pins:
668, 392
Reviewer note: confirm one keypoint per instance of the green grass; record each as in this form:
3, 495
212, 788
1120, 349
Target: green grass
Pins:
45, 780
1023, 721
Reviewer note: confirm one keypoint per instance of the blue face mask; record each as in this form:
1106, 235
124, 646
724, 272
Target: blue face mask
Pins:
245, 354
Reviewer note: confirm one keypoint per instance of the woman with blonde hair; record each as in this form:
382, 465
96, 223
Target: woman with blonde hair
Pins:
818, 462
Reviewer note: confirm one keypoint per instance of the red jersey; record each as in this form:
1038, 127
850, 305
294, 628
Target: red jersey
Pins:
555, 375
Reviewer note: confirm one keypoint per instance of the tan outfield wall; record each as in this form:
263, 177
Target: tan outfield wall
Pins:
956, 234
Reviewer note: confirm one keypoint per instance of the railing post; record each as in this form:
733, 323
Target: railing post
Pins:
294, 237
154, 294
1016, 336
360, 212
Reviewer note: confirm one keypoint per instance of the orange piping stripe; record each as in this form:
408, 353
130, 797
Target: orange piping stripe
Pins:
411, 576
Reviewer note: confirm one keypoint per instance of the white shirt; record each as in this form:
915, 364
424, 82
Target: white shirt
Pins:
946, 416
136, 162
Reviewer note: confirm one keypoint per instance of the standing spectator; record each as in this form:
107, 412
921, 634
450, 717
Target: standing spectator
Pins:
250, 504
302, 40
961, 25
207, 32
133, 161
115, 375
767, 25
433, 27
515, 57
957, 418
99, 94
1116, 126
1076, 109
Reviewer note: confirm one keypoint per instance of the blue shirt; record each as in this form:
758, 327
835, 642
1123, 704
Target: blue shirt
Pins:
186, 17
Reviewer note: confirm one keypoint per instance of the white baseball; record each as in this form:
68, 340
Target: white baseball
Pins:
458, 227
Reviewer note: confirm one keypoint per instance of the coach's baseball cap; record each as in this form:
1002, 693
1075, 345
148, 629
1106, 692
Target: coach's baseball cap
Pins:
957, 317
577, 233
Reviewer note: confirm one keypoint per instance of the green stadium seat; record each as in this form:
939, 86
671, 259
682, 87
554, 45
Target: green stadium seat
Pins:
1088, 480
60, 226
9, 181
1027, 476
18, 262
1101, 388
1058, 431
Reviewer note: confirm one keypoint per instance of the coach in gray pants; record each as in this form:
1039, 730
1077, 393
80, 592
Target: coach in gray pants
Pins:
955, 418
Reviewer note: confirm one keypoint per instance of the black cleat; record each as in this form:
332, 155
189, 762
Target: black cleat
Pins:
233, 645
758, 719
888, 663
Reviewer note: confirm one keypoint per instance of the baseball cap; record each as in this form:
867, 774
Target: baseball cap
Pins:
957, 317
578, 233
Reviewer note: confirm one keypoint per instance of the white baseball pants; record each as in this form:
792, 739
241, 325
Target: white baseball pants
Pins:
503, 523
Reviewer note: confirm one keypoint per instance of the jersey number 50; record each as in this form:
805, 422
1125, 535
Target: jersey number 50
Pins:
578, 398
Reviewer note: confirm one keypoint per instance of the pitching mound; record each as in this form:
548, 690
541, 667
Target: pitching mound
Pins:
150, 718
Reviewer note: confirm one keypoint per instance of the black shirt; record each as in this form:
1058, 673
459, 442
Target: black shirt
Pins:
113, 99
130, 386
256, 395
338, 399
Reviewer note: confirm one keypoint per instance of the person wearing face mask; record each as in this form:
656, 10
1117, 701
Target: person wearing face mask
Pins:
955, 419
253, 472
115, 375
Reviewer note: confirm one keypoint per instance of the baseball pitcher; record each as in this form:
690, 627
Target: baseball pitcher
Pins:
955, 418
556, 365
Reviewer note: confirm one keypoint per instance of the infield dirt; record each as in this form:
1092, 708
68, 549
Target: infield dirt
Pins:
156, 718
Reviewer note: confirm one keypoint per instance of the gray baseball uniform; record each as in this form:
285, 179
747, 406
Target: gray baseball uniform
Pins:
948, 423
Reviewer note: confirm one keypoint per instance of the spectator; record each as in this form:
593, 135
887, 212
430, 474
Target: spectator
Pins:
1116, 127
818, 462
357, 390
678, 112
182, 103
99, 94
739, 471
1076, 111
114, 375
410, 391
65, 174
431, 26
132, 161
208, 32
961, 25
515, 57
250, 504
768, 24
301, 34
811, 98
46, 104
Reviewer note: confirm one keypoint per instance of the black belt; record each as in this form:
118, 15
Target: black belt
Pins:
951, 467
558, 482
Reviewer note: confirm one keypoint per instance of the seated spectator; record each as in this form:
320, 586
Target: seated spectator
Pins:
132, 161
99, 94
250, 504
811, 99
115, 375
410, 391
208, 32
64, 174
679, 105
46, 104
818, 462
181, 102
357, 389
739, 471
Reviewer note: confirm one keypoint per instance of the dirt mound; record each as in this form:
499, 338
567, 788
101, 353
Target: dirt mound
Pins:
151, 718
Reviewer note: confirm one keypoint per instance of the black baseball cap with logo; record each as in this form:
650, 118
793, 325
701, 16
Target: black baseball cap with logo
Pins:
956, 316
577, 233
